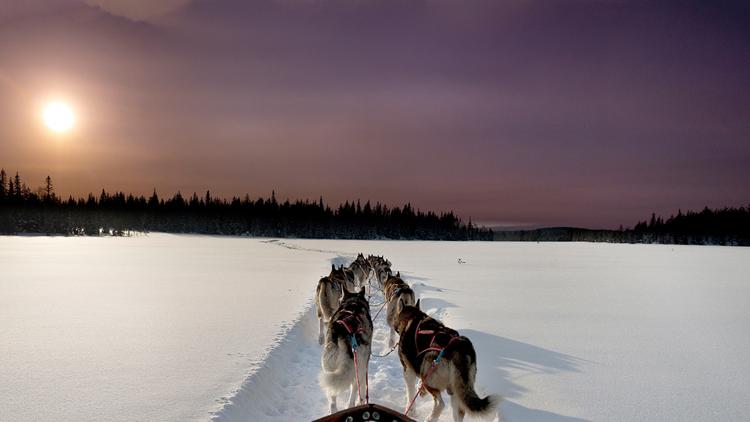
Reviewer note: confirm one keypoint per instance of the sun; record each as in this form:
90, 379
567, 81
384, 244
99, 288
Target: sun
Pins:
58, 116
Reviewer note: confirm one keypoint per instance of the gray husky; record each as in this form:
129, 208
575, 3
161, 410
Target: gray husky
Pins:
423, 341
346, 276
397, 294
382, 273
349, 332
361, 269
381, 268
328, 296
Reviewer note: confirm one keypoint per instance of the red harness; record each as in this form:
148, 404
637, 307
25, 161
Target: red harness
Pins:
434, 344
347, 322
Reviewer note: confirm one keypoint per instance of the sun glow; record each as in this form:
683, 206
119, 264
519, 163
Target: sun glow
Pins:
58, 116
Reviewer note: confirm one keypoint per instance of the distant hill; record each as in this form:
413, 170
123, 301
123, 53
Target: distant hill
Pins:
555, 234
726, 226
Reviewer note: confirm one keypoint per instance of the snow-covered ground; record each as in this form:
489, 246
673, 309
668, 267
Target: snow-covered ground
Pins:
179, 328
156, 328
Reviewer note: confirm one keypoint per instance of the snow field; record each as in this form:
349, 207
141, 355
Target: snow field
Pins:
191, 328
153, 328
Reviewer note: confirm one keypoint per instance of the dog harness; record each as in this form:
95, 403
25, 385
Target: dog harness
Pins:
352, 323
395, 293
386, 300
335, 283
438, 338
353, 329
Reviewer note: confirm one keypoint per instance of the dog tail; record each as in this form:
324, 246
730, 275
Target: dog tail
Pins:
465, 365
337, 366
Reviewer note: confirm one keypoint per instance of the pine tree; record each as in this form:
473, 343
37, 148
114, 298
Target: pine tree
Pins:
48, 188
153, 201
3, 184
18, 190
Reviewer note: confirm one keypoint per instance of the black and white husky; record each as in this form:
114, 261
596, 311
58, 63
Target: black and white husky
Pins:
328, 296
349, 332
397, 294
444, 360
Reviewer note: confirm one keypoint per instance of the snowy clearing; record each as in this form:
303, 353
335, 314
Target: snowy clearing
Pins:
177, 328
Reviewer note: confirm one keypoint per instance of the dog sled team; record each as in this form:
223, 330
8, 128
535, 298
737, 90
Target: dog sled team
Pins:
429, 351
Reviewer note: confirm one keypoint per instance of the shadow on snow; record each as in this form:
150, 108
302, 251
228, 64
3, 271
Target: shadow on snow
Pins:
496, 356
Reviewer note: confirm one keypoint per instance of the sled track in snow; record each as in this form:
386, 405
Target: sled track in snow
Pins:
284, 385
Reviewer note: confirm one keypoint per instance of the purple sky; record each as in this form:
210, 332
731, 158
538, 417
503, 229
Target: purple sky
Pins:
522, 112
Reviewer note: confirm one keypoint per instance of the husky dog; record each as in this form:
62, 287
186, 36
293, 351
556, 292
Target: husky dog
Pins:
361, 269
423, 340
345, 276
375, 261
381, 268
397, 294
349, 332
382, 272
328, 296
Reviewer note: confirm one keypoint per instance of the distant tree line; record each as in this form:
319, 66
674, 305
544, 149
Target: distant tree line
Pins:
23, 210
725, 226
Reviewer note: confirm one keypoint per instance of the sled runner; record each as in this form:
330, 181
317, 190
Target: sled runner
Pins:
366, 413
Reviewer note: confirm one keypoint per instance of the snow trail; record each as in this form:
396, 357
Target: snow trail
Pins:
284, 385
